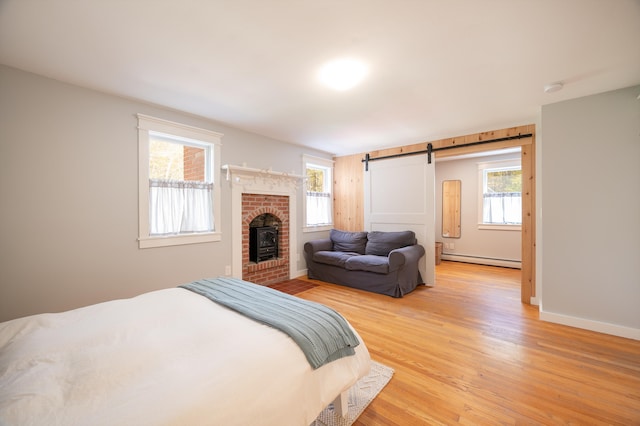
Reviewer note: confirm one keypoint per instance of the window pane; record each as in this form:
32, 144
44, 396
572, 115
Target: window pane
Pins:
502, 196
194, 163
180, 200
166, 160
315, 181
504, 181
318, 202
176, 161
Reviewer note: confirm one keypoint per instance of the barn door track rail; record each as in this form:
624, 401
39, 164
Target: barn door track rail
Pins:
367, 158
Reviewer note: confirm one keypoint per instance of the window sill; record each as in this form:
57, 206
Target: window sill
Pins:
486, 227
317, 228
177, 240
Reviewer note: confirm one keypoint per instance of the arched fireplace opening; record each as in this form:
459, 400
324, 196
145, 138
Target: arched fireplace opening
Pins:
266, 210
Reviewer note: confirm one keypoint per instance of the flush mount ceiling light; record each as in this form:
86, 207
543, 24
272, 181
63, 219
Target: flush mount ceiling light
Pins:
342, 74
553, 87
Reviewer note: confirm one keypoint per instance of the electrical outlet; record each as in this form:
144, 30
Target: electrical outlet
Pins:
227, 270
452, 246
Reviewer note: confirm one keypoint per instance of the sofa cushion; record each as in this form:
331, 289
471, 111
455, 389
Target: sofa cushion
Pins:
381, 243
354, 242
369, 263
335, 258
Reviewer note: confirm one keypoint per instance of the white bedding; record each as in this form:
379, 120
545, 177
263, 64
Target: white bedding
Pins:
169, 357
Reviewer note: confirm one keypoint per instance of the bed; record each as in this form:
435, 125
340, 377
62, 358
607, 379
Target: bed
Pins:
167, 357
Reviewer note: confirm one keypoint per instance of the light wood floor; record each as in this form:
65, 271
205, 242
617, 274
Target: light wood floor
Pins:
468, 352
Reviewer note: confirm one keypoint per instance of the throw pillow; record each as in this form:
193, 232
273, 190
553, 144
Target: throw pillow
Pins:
381, 243
354, 242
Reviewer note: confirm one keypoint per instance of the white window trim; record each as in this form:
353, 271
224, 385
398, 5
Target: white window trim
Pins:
323, 162
148, 124
481, 168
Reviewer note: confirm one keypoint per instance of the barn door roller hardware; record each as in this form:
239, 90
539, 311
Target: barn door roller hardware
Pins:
431, 149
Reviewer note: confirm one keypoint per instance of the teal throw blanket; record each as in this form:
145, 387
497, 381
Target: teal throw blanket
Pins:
320, 332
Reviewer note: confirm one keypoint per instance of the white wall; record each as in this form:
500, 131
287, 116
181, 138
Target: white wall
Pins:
590, 210
478, 245
69, 202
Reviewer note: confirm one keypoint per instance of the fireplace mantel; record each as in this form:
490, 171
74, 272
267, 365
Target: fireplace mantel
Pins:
241, 175
246, 180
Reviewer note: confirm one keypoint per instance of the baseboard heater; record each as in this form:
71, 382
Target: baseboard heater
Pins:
507, 263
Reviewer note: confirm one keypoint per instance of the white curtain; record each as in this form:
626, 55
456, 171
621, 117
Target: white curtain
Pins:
319, 208
502, 208
177, 207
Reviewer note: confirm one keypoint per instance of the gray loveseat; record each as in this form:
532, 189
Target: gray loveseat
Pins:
381, 262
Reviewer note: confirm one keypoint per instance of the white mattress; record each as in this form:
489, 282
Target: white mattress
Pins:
169, 357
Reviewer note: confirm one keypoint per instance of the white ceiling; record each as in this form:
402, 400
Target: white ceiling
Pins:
438, 68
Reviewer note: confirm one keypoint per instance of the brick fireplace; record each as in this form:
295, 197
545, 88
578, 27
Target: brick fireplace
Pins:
256, 192
265, 205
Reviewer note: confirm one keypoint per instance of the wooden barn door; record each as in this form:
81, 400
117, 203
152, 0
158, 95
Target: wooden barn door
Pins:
399, 194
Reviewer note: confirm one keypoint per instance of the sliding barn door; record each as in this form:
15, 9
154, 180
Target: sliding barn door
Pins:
399, 194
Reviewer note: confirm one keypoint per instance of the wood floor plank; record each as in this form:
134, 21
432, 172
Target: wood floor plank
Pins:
467, 351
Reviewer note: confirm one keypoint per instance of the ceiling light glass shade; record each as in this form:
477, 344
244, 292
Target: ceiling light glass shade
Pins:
342, 74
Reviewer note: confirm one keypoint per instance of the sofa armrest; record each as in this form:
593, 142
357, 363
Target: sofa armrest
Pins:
405, 255
311, 247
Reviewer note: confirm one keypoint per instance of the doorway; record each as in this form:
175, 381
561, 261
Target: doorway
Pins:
478, 207
527, 159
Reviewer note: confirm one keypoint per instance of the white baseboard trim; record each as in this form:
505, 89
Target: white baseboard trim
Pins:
300, 274
483, 260
600, 327
534, 301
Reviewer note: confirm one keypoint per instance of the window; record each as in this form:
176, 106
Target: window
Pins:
500, 204
178, 172
319, 199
